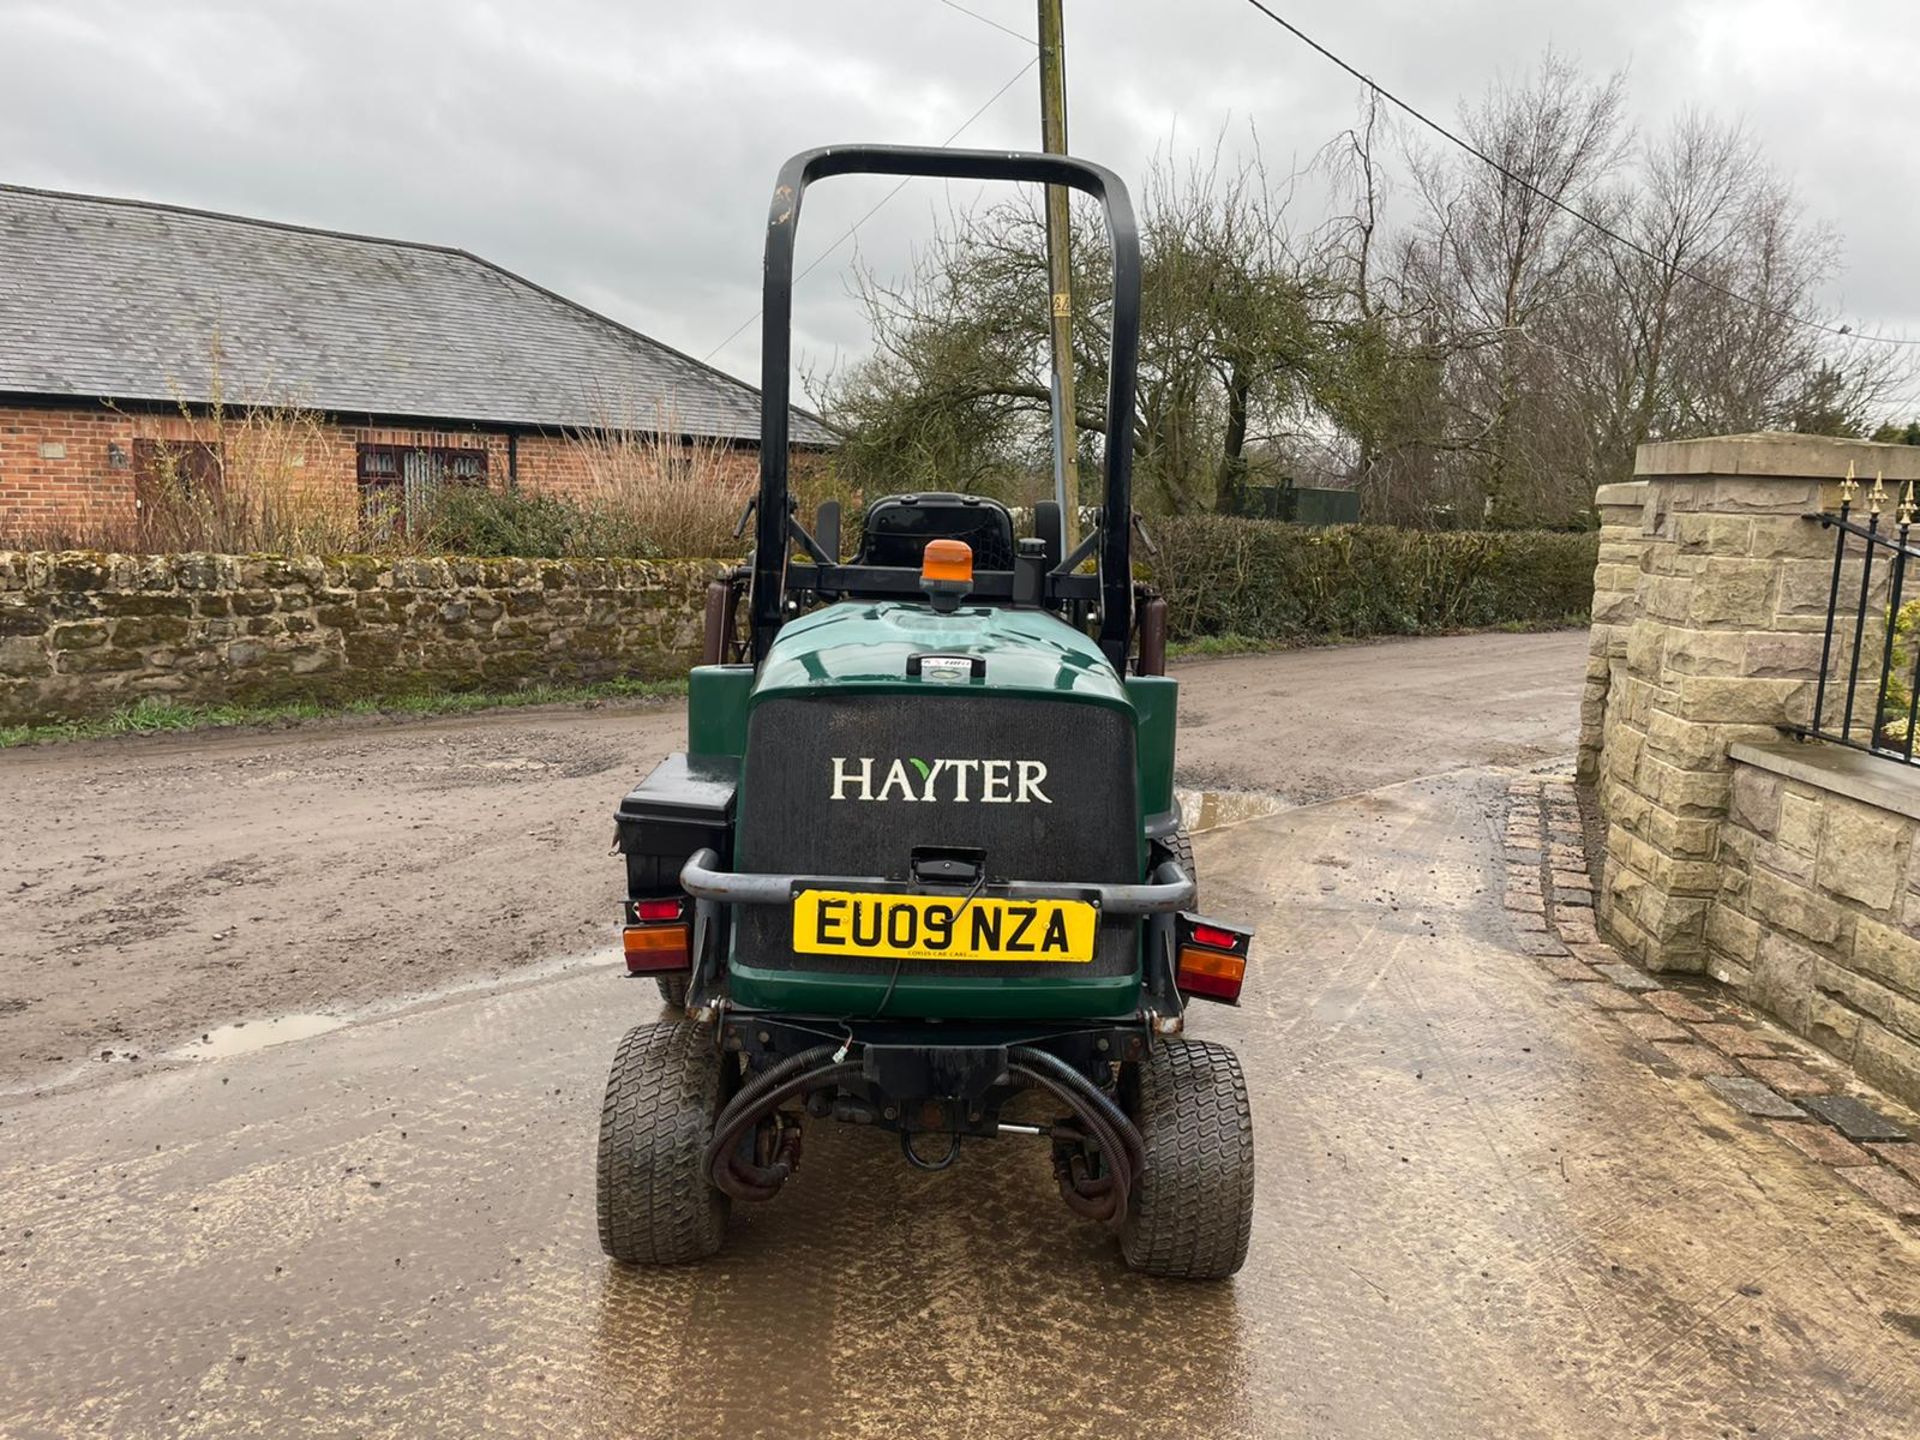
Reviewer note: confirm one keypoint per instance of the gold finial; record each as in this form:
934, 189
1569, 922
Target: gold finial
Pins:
1876, 497
1907, 506
1848, 486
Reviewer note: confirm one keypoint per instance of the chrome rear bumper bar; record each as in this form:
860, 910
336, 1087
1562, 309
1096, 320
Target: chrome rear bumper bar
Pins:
701, 877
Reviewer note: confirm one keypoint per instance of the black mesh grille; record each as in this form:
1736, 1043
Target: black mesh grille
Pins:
1085, 830
897, 529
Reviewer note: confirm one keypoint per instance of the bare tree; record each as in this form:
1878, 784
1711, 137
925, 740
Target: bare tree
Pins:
1497, 248
1383, 361
1708, 321
956, 390
1468, 337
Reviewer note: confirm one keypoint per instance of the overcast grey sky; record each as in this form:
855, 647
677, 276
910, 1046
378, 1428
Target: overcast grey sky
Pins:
621, 151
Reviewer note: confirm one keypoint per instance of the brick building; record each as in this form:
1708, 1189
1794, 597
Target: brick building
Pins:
142, 345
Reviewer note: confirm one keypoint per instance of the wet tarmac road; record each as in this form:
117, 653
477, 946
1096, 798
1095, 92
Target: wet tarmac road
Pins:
1476, 1217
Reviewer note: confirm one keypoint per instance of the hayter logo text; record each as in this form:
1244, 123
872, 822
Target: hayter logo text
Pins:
991, 782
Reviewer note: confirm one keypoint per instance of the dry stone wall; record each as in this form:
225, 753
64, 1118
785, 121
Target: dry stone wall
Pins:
83, 633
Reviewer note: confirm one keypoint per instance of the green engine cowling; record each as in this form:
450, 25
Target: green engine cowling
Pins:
843, 698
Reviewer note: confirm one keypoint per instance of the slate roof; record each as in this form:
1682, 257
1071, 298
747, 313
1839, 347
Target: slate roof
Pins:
125, 300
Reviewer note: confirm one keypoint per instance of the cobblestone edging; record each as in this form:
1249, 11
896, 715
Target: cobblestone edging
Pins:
83, 633
1698, 1032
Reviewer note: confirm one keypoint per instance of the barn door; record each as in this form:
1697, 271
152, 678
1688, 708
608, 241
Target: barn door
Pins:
176, 492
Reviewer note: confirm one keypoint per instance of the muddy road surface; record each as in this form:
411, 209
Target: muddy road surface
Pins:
1476, 1217
153, 890
1477, 1214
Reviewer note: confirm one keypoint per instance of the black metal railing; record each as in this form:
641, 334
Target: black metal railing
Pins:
1868, 694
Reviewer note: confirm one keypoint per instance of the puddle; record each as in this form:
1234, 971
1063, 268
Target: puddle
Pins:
1210, 809
243, 1037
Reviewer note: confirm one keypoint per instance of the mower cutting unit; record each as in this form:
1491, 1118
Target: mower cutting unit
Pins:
921, 867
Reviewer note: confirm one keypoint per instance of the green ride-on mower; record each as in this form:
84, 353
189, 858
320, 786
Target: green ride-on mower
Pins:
922, 853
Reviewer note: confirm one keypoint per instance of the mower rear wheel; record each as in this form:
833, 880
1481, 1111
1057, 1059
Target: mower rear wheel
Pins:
1192, 1210
656, 1206
673, 990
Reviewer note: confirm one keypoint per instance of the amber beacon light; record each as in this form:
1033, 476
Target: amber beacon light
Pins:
946, 573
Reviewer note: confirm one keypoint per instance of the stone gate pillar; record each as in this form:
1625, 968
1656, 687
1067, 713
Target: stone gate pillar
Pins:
1709, 612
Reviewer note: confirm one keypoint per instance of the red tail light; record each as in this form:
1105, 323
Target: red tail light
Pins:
657, 937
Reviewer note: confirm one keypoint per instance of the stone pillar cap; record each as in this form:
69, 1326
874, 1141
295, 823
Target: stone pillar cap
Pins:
1779, 454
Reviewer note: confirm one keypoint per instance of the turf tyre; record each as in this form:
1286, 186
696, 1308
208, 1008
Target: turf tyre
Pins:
1192, 1208
1180, 846
673, 990
655, 1204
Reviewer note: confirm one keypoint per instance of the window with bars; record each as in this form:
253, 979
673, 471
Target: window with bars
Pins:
397, 482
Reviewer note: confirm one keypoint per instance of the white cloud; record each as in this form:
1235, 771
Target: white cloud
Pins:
622, 153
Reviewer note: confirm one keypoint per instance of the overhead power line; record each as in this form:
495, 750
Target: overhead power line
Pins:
1844, 331
874, 210
988, 20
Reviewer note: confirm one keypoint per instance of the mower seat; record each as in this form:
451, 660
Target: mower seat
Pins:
898, 527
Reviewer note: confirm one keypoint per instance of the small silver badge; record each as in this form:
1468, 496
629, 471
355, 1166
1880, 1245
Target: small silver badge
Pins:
946, 669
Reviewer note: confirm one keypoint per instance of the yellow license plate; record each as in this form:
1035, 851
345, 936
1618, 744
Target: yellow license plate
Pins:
927, 927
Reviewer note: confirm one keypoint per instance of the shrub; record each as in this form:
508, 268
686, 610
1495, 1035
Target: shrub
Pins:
655, 491
261, 495
1276, 582
476, 520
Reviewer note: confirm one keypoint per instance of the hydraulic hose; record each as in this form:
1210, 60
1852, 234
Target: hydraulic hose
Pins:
766, 1093
768, 1078
1084, 1194
1102, 1197
1098, 1098
747, 1100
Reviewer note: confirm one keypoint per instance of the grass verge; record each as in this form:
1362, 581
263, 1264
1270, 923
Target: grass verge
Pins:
1231, 644
153, 716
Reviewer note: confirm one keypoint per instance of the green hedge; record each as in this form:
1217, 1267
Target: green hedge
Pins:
1271, 581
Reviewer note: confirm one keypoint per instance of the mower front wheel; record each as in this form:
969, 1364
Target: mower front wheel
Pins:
1181, 846
656, 1206
1192, 1209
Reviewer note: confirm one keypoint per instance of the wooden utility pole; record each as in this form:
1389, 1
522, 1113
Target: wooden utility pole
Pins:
1053, 139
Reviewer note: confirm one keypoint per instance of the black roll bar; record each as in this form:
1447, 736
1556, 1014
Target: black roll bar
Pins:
771, 536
